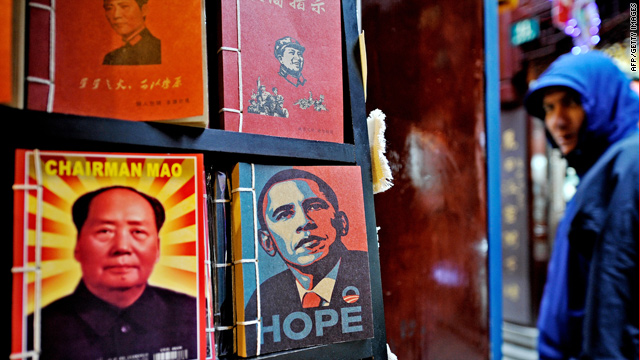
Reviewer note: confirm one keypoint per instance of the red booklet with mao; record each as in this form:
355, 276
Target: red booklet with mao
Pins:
109, 256
283, 75
139, 60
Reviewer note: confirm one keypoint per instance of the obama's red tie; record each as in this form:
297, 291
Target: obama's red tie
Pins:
311, 300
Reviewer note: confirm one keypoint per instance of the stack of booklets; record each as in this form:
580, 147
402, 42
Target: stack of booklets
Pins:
219, 203
301, 265
280, 68
140, 60
109, 256
209, 291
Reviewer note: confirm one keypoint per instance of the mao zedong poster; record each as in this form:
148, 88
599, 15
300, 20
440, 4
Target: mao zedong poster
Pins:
123, 59
108, 256
306, 228
291, 68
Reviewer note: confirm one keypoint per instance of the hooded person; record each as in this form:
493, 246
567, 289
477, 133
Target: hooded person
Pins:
589, 308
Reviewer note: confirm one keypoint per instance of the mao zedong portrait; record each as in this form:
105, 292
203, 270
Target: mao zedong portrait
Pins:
290, 54
323, 295
113, 311
128, 19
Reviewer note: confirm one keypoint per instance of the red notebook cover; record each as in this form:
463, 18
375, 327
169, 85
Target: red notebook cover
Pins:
6, 57
70, 274
122, 59
286, 78
12, 62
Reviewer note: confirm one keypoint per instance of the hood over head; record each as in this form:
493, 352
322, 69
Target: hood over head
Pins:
609, 103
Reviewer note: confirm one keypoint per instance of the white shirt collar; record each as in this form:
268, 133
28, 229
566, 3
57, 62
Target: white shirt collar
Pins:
324, 288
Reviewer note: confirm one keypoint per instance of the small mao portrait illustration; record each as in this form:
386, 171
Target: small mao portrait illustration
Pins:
290, 53
128, 19
263, 102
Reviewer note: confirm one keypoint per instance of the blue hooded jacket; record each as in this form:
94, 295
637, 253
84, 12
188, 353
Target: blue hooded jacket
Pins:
589, 308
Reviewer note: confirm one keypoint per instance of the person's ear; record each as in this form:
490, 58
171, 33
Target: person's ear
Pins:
76, 250
341, 223
267, 242
158, 252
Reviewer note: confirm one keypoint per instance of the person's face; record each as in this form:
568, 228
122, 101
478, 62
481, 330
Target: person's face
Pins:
563, 118
118, 244
292, 59
299, 219
263, 93
125, 16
